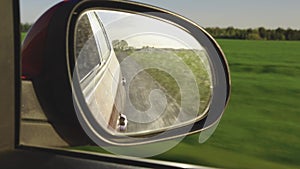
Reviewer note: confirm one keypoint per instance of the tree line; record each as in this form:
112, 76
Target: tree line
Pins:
260, 33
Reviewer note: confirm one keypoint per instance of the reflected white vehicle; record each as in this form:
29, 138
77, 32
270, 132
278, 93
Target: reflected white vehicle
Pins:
98, 70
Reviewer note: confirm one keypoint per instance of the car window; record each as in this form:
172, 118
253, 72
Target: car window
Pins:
87, 54
92, 44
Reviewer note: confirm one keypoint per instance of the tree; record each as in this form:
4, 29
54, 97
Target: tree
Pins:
24, 27
262, 32
120, 45
279, 34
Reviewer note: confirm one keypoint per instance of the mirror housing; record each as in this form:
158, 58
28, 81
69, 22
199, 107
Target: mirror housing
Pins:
48, 59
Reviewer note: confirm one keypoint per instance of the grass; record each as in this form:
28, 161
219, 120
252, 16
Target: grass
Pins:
260, 128
23, 35
178, 61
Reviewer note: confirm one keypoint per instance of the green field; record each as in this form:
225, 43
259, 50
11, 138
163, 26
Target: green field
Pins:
23, 35
260, 128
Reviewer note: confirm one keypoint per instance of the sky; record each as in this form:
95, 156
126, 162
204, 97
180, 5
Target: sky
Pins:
207, 13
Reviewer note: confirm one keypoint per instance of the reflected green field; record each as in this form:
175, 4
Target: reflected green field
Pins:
191, 59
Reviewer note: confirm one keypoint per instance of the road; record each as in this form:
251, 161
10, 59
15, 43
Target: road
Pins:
139, 89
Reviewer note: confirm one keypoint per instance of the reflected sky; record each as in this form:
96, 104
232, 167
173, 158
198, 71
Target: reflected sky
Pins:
140, 31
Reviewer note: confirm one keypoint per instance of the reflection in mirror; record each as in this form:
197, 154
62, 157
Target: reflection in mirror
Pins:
140, 75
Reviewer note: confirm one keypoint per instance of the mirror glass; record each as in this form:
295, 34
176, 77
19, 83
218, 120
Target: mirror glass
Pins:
140, 75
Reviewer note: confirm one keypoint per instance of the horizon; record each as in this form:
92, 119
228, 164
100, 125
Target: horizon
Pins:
255, 28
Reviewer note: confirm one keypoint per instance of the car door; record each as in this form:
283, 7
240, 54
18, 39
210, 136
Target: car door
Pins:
99, 70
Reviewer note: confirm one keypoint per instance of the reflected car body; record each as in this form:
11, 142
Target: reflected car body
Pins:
99, 71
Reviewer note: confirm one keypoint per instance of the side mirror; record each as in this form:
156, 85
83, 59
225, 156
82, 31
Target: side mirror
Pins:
123, 73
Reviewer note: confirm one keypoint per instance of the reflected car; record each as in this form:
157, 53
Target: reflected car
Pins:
98, 71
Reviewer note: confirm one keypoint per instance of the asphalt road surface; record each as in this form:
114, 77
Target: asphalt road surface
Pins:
139, 89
